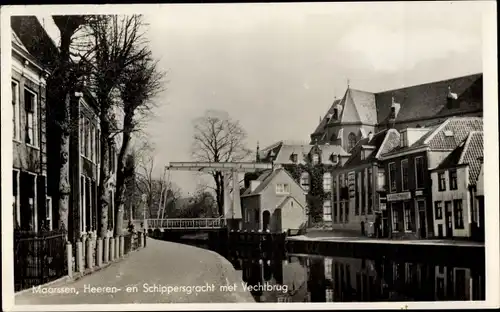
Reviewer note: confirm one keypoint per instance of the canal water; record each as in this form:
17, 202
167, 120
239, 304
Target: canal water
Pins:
282, 277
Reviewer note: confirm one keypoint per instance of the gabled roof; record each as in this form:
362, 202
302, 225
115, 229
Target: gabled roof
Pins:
379, 140
472, 154
322, 124
364, 105
445, 137
285, 200
469, 152
265, 178
426, 100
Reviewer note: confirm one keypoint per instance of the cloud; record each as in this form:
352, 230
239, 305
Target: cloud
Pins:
386, 49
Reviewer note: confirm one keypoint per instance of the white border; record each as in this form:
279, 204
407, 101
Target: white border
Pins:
491, 174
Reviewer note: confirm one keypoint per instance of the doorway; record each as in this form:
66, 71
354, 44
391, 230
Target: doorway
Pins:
266, 216
421, 217
448, 219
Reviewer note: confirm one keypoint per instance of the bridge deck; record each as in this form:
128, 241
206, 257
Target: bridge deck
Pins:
185, 223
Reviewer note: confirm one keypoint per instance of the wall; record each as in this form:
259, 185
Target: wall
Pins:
461, 193
293, 216
249, 205
354, 220
270, 200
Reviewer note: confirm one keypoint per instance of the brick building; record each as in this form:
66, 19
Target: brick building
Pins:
456, 212
409, 186
29, 175
359, 112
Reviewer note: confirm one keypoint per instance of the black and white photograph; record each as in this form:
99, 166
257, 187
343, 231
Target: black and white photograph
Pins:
324, 155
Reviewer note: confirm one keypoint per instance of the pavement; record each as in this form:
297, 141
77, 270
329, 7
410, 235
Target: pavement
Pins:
163, 272
350, 236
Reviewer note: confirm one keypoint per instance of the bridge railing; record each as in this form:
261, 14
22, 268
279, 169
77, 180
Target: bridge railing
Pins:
186, 223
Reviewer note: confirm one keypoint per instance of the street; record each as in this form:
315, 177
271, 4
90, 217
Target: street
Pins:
160, 264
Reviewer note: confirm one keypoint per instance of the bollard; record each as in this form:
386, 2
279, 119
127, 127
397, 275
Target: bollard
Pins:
99, 252
111, 249
141, 243
79, 256
122, 246
105, 250
88, 249
69, 257
117, 247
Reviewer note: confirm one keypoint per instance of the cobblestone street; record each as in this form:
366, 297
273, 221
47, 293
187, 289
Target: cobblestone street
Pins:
160, 263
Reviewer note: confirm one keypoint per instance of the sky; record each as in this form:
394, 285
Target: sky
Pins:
278, 67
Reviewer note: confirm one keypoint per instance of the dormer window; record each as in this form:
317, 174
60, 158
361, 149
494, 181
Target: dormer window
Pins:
335, 114
315, 158
448, 133
294, 158
334, 158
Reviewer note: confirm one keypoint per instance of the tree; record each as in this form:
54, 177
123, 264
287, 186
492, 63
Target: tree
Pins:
140, 84
218, 138
63, 78
119, 42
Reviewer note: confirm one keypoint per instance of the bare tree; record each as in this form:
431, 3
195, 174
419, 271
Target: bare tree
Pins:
119, 42
140, 84
218, 138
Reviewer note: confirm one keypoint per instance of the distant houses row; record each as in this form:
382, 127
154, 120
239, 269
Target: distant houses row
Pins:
404, 163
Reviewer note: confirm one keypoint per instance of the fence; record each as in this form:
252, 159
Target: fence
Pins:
38, 258
186, 223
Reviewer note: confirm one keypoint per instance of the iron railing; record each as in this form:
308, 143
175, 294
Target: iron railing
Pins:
191, 223
39, 258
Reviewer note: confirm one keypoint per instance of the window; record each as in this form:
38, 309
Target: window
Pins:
28, 210
351, 138
15, 193
358, 194
327, 182
419, 172
329, 295
370, 191
404, 174
304, 181
346, 216
328, 268
15, 111
458, 214
327, 210
334, 188
315, 159
341, 212
441, 182
294, 158
86, 138
335, 212
392, 177
48, 212
98, 152
395, 219
82, 203
453, 179
438, 210
82, 131
362, 191
409, 216
92, 142
282, 188
334, 158
335, 114
31, 120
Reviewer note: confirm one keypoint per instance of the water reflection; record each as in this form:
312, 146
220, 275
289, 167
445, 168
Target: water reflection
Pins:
311, 278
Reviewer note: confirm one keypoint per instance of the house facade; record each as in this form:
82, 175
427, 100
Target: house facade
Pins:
356, 185
29, 173
311, 166
275, 202
409, 191
456, 211
359, 112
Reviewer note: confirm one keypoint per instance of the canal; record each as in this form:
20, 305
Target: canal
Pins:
278, 276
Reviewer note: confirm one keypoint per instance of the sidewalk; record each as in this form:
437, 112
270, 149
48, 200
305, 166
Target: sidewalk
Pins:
352, 236
160, 263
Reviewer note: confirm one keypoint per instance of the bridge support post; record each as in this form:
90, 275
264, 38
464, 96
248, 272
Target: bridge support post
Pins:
111, 248
99, 251
117, 247
79, 256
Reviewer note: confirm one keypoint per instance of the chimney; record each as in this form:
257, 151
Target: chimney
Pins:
257, 155
450, 98
253, 185
370, 136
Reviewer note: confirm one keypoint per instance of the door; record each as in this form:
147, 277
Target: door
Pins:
266, 216
448, 219
421, 217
